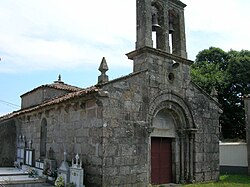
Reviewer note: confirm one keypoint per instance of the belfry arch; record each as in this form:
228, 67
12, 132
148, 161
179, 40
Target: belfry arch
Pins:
173, 129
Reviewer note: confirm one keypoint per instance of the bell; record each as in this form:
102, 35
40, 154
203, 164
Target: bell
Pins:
171, 23
155, 24
171, 28
175, 64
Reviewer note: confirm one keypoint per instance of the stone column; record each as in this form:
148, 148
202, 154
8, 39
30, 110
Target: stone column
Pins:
187, 157
143, 24
183, 52
176, 167
162, 34
247, 115
179, 36
191, 156
182, 156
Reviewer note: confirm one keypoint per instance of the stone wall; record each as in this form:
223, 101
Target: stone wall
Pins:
7, 143
206, 150
125, 139
74, 126
112, 133
202, 114
128, 112
40, 95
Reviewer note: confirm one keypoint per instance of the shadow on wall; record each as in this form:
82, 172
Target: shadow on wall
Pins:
7, 143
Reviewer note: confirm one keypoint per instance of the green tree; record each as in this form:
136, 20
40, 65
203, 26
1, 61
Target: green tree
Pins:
229, 74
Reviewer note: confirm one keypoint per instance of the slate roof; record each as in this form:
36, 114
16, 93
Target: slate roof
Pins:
71, 95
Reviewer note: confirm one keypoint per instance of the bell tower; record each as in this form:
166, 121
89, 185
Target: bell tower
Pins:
166, 19
160, 28
151, 17
160, 58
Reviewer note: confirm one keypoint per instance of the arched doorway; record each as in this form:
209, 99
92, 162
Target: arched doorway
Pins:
173, 131
43, 138
162, 139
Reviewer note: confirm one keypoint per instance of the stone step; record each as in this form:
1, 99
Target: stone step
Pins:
12, 172
11, 176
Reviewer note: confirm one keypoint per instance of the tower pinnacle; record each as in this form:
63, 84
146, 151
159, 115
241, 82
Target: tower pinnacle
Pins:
103, 78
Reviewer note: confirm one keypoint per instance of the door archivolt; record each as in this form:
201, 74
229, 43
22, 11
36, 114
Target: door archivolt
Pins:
173, 119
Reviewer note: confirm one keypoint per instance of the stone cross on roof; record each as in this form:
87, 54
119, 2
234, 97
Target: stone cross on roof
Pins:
59, 80
214, 93
76, 164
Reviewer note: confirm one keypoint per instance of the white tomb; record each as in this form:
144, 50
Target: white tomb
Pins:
63, 170
77, 172
20, 151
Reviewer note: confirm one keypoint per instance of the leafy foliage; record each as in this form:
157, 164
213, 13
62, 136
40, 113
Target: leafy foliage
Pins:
229, 74
226, 181
59, 182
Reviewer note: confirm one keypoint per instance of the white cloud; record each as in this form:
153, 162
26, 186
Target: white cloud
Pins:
47, 34
58, 35
225, 22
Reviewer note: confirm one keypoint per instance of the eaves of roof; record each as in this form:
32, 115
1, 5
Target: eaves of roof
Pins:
75, 92
206, 94
80, 93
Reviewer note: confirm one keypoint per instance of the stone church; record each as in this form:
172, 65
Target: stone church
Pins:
153, 126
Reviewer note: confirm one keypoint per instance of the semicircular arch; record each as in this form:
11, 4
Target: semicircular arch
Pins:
176, 106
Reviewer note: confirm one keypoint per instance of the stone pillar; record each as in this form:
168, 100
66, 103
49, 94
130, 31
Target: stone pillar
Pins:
143, 24
178, 36
187, 157
182, 35
191, 156
247, 115
182, 156
145, 10
162, 34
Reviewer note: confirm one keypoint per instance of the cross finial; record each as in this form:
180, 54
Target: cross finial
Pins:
64, 156
59, 79
214, 93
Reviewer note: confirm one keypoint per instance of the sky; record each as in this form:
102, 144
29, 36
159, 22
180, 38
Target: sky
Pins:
40, 39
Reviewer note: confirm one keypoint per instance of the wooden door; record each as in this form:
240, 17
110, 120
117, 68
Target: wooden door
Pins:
161, 160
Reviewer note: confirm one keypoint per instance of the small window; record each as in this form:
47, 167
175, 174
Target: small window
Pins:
171, 77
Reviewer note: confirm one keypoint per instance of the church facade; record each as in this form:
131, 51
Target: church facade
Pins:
153, 126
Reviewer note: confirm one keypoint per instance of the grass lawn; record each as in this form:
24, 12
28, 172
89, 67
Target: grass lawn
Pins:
227, 181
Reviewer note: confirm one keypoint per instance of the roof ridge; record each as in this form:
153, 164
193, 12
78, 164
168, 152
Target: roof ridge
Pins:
59, 86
